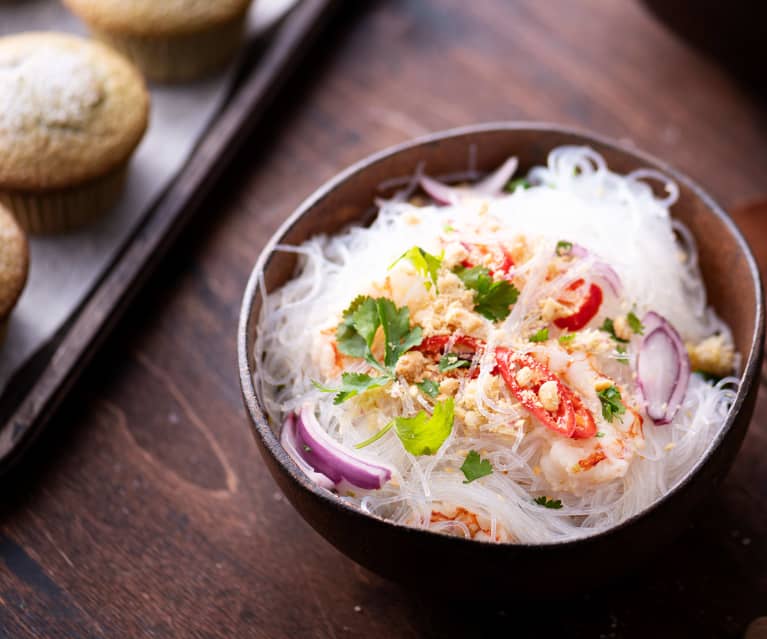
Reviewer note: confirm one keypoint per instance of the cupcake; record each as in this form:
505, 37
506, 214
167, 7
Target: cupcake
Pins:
14, 265
169, 40
71, 114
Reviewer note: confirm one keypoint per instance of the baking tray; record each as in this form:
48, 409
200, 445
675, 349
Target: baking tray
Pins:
34, 393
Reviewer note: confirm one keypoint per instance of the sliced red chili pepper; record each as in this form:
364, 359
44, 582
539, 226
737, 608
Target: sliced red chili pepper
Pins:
585, 426
509, 364
504, 267
572, 418
436, 344
462, 344
586, 311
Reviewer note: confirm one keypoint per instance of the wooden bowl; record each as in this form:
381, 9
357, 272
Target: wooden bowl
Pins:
431, 560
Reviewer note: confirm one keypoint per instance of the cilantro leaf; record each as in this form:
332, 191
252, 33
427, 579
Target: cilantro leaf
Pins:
400, 338
635, 323
352, 384
612, 404
540, 336
475, 467
429, 387
491, 299
357, 330
517, 183
609, 327
424, 434
566, 338
451, 361
544, 501
425, 263
599, 434
564, 247
623, 358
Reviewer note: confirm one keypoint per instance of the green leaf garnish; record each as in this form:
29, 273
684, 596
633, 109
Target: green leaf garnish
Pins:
448, 228
635, 323
623, 359
430, 387
564, 247
517, 183
451, 361
612, 404
424, 434
544, 501
425, 263
609, 327
491, 299
600, 434
475, 467
352, 384
566, 338
400, 338
421, 434
355, 334
540, 336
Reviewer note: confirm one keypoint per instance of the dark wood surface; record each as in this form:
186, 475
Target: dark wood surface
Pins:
145, 511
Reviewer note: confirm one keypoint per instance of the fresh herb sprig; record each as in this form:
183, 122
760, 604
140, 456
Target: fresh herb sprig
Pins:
355, 335
474, 467
422, 434
544, 501
608, 326
452, 361
491, 299
612, 403
425, 263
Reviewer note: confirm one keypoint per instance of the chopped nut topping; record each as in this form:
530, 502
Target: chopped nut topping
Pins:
549, 396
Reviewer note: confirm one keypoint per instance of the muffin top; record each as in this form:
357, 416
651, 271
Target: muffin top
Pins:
14, 261
156, 17
71, 110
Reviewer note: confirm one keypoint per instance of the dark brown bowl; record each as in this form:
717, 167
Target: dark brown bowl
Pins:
427, 559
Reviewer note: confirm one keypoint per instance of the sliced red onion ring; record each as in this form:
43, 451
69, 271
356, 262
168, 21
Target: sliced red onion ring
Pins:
602, 270
493, 184
663, 369
440, 193
326, 461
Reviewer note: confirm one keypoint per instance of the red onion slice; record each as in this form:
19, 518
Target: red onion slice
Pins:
663, 369
490, 186
329, 463
440, 193
602, 271
493, 184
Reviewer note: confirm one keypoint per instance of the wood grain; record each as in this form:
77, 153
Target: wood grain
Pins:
144, 511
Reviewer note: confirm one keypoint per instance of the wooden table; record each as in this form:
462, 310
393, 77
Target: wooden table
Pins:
145, 510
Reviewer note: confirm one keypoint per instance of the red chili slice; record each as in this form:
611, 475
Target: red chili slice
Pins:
572, 418
504, 267
509, 363
436, 343
586, 311
585, 426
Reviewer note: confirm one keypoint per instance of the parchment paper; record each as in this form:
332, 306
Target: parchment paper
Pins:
64, 268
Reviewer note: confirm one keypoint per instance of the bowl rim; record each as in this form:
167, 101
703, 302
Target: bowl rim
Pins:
271, 442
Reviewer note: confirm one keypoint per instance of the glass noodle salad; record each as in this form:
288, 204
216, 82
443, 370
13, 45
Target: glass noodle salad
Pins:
522, 360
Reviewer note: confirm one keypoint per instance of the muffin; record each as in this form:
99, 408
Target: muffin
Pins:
169, 40
72, 112
14, 265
